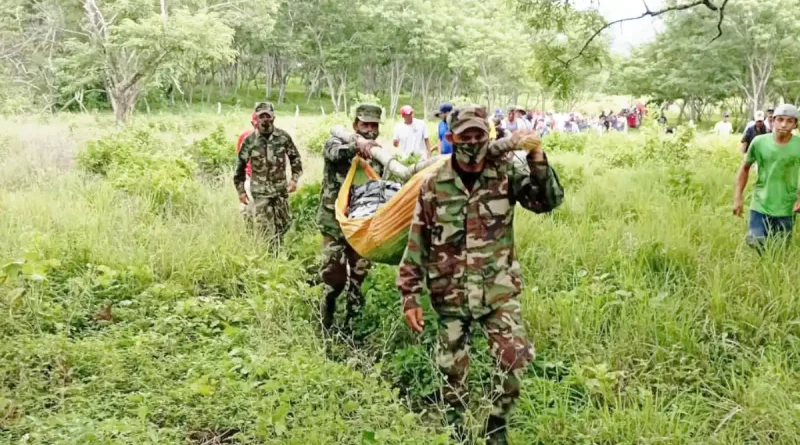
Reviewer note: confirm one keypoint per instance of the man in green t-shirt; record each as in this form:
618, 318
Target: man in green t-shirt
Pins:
775, 197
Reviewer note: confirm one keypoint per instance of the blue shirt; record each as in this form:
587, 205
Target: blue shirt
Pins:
445, 147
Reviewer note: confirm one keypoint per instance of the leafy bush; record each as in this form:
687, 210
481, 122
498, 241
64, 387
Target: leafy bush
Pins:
303, 204
559, 142
214, 153
314, 139
134, 161
101, 155
167, 182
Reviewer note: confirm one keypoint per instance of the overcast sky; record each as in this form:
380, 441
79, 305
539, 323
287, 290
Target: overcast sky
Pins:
627, 35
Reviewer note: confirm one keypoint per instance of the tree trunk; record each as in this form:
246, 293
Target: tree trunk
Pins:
683, 109
332, 89
123, 101
396, 78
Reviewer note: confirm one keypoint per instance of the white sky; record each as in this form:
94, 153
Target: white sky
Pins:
629, 34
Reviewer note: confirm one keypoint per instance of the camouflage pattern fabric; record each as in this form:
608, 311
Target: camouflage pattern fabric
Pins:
343, 267
338, 154
461, 245
268, 188
268, 155
272, 218
508, 345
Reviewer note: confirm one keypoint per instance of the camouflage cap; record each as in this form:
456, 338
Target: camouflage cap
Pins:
369, 113
468, 116
262, 107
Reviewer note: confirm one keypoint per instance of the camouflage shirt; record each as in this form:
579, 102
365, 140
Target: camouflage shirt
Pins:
267, 156
338, 154
462, 244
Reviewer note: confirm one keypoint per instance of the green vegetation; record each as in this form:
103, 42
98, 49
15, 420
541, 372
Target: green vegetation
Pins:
653, 322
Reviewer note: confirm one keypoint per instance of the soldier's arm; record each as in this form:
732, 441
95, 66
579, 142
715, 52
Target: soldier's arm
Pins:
339, 150
534, 185
411, 276
241, 164
294, 159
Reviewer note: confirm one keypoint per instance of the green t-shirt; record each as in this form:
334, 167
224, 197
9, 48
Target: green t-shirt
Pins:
778, 170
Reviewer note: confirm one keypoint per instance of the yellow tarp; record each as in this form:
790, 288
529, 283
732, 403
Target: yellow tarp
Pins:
381, 237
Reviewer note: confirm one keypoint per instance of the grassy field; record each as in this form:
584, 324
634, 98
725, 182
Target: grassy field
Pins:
653, 322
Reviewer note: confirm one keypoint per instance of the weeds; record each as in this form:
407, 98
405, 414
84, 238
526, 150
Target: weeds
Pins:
653, 322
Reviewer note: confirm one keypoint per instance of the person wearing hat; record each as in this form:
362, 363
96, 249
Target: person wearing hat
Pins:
461, 247
267, 150
341, 265
775, 197
410, 135
514, 122
759, 127
445, 148
724, 127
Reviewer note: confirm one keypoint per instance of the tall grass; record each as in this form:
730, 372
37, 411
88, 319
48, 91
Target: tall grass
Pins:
653, 322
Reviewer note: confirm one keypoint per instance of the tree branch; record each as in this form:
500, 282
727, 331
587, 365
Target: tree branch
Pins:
719, 23
648, 13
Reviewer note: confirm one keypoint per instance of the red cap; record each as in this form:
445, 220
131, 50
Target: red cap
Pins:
406, 110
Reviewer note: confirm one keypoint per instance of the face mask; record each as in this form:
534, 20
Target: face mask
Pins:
369, 135
267, 127
471, 154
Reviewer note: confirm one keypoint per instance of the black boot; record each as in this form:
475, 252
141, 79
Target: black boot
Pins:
496, 431
327, 310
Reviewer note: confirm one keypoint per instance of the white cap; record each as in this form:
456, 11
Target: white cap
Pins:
787, 110
759, 116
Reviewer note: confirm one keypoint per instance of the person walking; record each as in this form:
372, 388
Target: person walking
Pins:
267, 150
775, 197
758, 128
724, 127
411, 135
461, 247
445, 148
342, 266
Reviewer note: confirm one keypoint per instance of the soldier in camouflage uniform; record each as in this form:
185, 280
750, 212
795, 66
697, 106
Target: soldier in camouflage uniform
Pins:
461, 246
342, 266
267, 149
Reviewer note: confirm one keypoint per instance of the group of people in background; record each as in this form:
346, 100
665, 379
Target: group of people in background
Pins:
460, 246
464, 219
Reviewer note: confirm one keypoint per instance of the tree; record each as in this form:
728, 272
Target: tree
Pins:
134, 46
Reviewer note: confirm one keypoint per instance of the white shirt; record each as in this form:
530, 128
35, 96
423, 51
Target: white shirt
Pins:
518, 124
723, 128
412, 137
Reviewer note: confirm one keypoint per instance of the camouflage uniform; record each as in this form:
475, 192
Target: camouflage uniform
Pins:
342, 266
461, 245
267, 154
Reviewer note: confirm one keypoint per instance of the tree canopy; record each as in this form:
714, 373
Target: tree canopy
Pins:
61, 54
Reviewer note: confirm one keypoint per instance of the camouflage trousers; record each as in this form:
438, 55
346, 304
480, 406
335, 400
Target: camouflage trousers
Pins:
508, 345
271, 217
342, 267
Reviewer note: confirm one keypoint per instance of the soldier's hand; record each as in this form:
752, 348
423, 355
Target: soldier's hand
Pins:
532, 143
243, 198
518, 136
292, 186
414, 320
363, 146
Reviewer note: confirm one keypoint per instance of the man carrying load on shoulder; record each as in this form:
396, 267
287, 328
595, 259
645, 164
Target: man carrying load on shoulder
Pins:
461, 248
343, 267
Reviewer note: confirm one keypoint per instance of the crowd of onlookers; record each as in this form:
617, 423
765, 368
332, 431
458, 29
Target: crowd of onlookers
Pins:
411, 135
